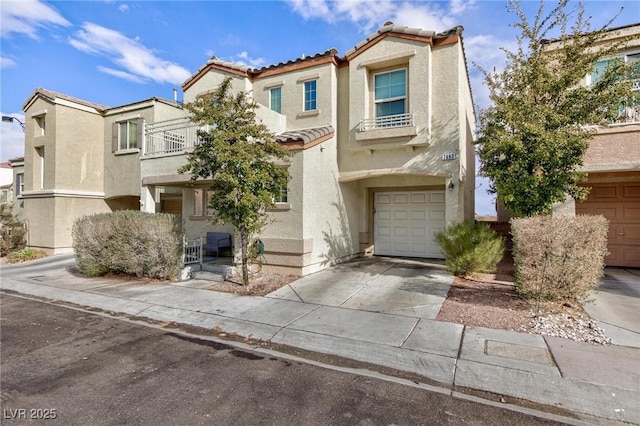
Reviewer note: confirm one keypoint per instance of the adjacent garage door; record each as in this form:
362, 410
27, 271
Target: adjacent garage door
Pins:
620, 203
405, 223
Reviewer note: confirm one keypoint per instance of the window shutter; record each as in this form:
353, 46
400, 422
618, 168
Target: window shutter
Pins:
114, 137
140, 134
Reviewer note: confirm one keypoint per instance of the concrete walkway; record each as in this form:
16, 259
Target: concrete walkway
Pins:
377, 311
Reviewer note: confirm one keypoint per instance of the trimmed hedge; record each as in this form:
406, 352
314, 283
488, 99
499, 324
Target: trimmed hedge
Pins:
559, 257
470, 247
129, 242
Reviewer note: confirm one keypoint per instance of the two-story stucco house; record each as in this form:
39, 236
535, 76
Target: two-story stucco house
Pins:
381, 144
612, 162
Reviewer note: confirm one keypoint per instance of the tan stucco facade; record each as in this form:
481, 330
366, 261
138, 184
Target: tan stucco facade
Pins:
337, 165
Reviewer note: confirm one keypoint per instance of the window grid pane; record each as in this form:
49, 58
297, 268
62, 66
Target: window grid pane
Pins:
310, 95
390, 93
276, 99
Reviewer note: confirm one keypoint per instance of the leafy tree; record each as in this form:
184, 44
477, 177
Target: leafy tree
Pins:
533, 137
237, 154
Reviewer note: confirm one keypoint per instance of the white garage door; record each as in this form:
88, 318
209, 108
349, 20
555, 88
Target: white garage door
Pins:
405, 223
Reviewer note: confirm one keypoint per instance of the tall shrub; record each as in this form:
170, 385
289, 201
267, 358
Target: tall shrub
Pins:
130, 242
558, 257
12, 233
470, 247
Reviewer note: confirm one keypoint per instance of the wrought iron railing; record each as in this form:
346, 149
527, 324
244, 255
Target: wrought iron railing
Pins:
387, 121
170, 136
192, 250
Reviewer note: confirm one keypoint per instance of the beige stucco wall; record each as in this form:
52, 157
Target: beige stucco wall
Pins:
211, 80
292, 85
614, 149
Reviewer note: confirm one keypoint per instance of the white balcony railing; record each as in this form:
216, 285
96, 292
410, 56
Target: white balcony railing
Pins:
397, 120
170, 136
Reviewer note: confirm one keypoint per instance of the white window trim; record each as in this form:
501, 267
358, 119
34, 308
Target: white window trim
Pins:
270, 94
128, 149
396, 98
304, 97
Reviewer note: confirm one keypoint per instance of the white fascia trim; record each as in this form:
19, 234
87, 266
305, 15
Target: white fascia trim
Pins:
74, 105
127, 108
61, 193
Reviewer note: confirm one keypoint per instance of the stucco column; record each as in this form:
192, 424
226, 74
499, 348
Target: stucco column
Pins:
452, 197
566, 208
147, 202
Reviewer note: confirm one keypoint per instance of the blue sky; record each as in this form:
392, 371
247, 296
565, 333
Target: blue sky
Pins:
116, 52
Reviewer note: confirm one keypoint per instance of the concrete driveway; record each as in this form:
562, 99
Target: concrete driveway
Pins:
406, 287
617, 306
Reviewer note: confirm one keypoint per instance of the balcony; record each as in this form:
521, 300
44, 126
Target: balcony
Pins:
387, 127
397, 120
170, 136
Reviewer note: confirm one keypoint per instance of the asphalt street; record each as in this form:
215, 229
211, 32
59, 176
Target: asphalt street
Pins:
66, 366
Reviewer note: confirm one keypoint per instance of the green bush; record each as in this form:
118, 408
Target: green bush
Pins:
25, 255
558, 257
129, 242
470, 247
12, 232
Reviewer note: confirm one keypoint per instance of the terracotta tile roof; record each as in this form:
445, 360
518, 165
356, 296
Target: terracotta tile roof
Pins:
390, 28
49, 94
306, 136
330, 52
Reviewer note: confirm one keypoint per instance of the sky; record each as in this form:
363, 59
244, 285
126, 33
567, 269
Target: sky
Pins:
116, 52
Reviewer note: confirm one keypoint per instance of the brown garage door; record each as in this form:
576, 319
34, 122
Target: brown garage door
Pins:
620, 203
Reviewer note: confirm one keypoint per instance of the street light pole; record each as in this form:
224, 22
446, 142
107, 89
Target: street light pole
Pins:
9, 119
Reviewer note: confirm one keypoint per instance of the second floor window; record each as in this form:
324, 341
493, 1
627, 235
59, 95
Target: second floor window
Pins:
19, 183
128, 135
276, 99
390, 93
601, 66
310, 95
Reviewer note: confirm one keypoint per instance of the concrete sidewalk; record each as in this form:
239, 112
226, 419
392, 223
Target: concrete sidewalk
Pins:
377, 312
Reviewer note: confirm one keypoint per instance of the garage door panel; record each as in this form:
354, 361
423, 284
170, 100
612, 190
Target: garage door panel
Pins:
436, 197
630, 234
418, 198
383, 198
400, 199
404, 223
604, 192
620, 204
401, 215
631, 190
436, 215
631, 213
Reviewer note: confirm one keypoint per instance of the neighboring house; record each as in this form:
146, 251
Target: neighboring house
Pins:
75, 165
17, 178
381, 144
6, 183
612, 162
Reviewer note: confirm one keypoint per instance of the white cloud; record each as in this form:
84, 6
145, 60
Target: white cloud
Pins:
6, 62
459, 6
27, 16
123, 7
371, 14
243, 58
12, 138
121, 74
138, 63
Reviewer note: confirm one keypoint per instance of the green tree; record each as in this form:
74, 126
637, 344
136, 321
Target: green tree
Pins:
532, 139
238, 154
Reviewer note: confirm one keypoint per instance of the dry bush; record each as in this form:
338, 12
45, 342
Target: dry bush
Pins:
25, 255
12, 233
558, 257
129, 242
